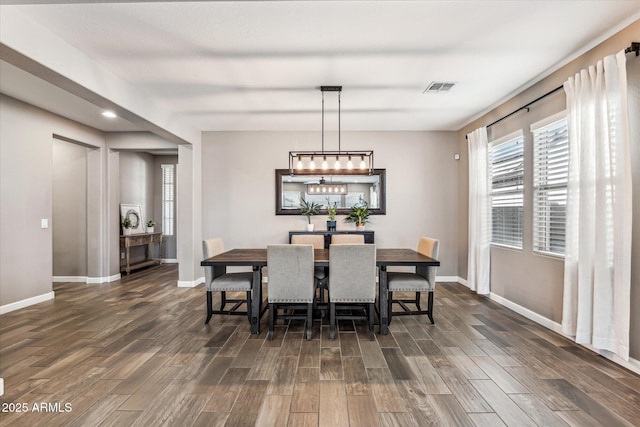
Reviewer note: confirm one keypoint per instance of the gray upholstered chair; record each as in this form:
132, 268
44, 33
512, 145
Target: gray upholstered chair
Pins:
352, 282
291, 283
321, 273
347, 238
227, 282
423, 280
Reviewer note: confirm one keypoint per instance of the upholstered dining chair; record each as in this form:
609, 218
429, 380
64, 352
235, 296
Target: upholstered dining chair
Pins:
228, 282
291, 283
423, 280
347, 238
352, 283
321, 273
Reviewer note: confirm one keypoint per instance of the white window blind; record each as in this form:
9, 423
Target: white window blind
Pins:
550, 173
168, 199
506, 175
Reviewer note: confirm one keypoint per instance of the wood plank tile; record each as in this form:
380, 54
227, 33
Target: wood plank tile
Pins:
508, 411
398, 365
385, 391
372, 355
331, 364
247, 356
362, 410
264, 365
302, 419
355, 376
506, 382
489, 419
400, 419
274, 411
333, 404
349, 345
224, 394
284, 376
537, 410
247, 407
306, 390
470, 399
432, 381
309, 354
449, 410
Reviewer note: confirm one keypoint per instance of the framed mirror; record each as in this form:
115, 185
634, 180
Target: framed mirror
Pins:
344, 190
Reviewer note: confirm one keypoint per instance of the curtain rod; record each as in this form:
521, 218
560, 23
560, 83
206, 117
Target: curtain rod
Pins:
635, 47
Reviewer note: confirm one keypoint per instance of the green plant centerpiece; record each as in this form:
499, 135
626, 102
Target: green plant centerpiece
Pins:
151, 226
332, 210
359, 214
309, 209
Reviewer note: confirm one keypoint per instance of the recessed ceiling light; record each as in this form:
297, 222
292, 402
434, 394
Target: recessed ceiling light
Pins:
109, 114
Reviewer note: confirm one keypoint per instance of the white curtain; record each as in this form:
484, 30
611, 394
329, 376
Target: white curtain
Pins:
597, 273
479, 257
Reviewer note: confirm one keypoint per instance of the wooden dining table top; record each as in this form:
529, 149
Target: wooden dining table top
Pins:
258, 257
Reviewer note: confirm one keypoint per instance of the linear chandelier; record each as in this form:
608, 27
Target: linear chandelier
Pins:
331, 162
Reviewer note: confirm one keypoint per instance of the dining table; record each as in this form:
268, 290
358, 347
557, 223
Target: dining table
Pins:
256, 258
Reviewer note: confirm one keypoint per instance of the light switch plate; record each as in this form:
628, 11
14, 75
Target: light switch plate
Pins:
456, 156
44, 223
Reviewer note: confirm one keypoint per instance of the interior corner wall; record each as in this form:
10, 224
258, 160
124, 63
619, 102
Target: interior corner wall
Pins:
26, 134
238, 187
532, 281
169, 243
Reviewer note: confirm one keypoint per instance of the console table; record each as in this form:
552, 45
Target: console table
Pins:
368, 235
143, 239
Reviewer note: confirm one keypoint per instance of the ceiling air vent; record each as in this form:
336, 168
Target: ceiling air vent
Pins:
438, 87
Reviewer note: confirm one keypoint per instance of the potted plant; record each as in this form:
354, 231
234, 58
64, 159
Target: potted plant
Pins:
332, 210
309, 209
150, 226
126, 226
359, 215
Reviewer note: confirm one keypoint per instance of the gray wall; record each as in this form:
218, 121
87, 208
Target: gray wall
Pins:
69, 223
238, 184
26, 159
533, 281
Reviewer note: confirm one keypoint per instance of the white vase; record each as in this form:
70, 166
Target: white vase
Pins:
360, 227
150, 229
309, 227
126, 231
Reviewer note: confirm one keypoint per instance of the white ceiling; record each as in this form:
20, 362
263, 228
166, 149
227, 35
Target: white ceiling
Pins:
251, 65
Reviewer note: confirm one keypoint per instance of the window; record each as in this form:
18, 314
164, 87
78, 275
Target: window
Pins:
550, 173
506, 156
168, 199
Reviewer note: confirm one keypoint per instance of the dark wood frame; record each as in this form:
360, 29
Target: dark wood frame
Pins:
382, 210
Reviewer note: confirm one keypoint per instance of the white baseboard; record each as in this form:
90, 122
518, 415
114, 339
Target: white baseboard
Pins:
169, 261
85, 279
26, 302
109, 279
72, 279
463, 281
190, 283
448, 279
631, 364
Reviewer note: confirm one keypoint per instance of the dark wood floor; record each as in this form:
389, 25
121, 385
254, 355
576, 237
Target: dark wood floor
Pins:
137, 352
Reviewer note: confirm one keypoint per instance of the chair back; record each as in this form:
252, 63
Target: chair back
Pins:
352, 273
347, 238
211, 247
317, 240
291, 276
430, 247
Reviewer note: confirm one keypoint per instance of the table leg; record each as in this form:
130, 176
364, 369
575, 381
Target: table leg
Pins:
383, 297
256, 300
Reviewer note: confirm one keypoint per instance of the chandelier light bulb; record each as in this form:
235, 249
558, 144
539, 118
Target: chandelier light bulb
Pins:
349, 163
337, 165
324, 163
362, 163
312, 165
299, 162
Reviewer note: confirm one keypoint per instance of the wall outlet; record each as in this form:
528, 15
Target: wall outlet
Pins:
456, 156
44, 223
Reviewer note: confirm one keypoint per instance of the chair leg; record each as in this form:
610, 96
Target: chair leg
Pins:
390, 309
430, 305
272, 318
209, 307
309, 320
332, 320
370, 310
418, 301
223, 300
